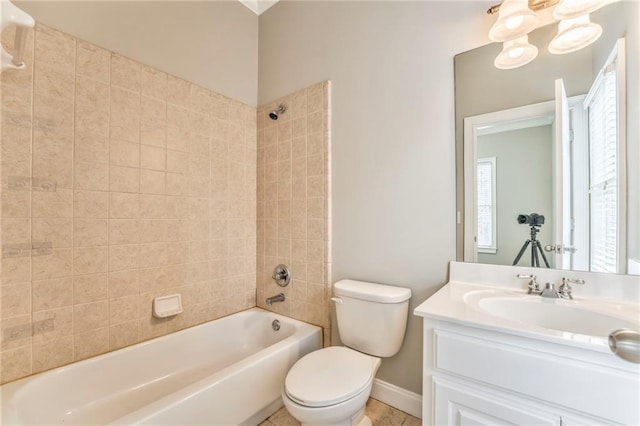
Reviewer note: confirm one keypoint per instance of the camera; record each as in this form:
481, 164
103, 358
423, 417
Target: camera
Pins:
533, 219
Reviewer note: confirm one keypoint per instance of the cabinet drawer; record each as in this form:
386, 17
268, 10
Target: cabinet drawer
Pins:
590, 388
457, 405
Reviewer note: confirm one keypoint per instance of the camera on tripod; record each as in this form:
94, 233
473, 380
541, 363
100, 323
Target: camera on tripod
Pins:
533, 219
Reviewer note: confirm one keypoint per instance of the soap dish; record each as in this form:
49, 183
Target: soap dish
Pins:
167, 306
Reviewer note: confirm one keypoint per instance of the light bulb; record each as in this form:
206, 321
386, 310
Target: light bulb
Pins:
574, 34
567, 9
515, 19
516, 53
514, 22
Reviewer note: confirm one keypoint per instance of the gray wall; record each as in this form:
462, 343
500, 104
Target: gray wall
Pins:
524, 185
393, 155
213, 44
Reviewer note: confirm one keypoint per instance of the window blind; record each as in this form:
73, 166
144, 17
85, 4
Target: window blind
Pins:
486, 193
603, 185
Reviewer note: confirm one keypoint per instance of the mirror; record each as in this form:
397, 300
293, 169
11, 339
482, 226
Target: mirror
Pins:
512, 161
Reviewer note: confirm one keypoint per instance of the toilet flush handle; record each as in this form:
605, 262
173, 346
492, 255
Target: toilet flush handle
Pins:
337, 300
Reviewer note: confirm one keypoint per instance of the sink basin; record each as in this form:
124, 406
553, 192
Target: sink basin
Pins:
554, 314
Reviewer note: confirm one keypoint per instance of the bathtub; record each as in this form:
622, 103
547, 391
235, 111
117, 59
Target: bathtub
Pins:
226, 372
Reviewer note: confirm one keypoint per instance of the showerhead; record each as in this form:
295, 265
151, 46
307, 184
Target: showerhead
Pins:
276, 112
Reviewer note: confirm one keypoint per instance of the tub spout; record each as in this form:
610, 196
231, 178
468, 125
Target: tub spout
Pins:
277, 298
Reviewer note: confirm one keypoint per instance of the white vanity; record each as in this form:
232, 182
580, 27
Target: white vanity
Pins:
494, 354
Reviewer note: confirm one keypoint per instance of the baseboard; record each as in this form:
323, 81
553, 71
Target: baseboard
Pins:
397, 397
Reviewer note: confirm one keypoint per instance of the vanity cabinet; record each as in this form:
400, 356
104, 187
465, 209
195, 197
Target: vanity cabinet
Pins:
475, 376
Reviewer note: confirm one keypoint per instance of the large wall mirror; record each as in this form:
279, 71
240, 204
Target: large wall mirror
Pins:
548, 154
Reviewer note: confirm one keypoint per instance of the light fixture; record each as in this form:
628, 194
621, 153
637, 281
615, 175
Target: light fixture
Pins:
516, 53
568, 9
574, 34
515, 19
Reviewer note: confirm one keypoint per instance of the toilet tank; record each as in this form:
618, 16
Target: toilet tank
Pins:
372, 318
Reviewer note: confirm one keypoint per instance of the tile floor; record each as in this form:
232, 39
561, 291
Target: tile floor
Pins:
379, 413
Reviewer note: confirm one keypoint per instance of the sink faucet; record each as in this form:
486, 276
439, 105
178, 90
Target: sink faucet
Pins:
277, 298
533, 287
564, 292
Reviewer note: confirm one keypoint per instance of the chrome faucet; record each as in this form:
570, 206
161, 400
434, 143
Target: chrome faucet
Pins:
564, 292
533, 287
277, 298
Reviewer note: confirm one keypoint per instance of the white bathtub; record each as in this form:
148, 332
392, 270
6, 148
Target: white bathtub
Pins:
225, 372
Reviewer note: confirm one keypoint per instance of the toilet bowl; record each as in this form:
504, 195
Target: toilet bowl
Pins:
331, 386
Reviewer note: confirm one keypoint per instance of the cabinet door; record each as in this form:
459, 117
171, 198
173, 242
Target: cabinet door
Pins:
456, 405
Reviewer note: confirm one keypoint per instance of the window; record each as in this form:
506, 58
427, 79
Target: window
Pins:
486, 193
603, 172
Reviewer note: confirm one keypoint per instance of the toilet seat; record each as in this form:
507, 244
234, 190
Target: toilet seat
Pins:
330, 376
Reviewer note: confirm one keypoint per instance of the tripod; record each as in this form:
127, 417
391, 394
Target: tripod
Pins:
535, 247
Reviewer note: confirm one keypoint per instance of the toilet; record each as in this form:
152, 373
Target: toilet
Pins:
331, 386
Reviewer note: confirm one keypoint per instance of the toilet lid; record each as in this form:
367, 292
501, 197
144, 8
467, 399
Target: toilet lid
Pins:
329, 376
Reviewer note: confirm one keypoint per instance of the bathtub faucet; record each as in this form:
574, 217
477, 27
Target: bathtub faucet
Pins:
277, 298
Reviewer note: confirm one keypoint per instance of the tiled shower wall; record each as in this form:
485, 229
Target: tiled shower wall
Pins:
121, 183
293, 204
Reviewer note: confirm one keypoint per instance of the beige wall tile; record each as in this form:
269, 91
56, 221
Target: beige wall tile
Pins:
124, 205
90, 260
154, 254
54, 265
92, 61
123, 153
53, 81
52, 294
15, 364
91, 120
15, 300
123, 309
153, 206
153, 158
123, 257
125, 73
152, 182
124, 231
90, 288
90, 232
57, 203
178, 91
55, 48
90, 343
52, 354
91, 148
16, 332
92, 93
145, 203
154, 83
123, 283
16, 270
124, 179
94, 176
90, 316
124, 334
53, 324
154, 134
90, 204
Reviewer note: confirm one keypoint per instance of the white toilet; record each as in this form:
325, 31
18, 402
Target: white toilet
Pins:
331, 386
